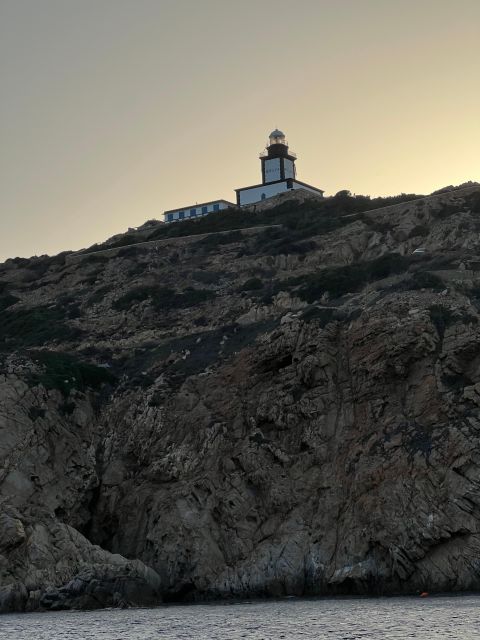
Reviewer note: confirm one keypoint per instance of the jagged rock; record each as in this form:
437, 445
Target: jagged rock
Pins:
243, 442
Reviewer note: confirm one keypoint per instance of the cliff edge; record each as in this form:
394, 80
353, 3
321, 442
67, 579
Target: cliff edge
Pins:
283, 402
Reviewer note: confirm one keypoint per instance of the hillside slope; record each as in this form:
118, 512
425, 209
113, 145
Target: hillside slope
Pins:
288, 406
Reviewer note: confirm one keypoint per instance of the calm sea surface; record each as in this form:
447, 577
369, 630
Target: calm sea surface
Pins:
345, 619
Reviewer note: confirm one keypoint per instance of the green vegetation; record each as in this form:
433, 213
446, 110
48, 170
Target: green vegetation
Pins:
419, 280
252, 284
132, 251
338, 281
7, 300
473, 292
39, 265
34, 327
322, 315
36, 412
65, 372
446, 210
441, 317
208, 277
125, 240
425, 280
93, 259
473, 202
312, 217
211, 242
419, 230
163, 298
202, 350
99, 295
375, 225
291, 240
69, 304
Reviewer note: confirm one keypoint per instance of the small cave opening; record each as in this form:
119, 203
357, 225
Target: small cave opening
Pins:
185, 593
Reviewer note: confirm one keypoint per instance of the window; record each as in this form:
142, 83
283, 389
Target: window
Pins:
264, 195
216, 207
181, 215
193, 213
204, 210
170, 217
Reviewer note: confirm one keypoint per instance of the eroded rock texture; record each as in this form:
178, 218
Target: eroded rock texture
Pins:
262, 413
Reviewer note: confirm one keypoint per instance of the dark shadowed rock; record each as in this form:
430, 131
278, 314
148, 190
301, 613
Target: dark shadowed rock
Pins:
169, 436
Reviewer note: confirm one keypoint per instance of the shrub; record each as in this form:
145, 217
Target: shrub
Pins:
132, 251
419, 230
94, 259
7, 300
201, 350
375, 225
65, 372
125, 240
163, 298
425, 280
441, 317
35, 327
36, 412
99, 295
207, 277
446, 210
253, 284
67, 408
474, 291
70, 305
322, 315
213, 241
338, 281
419, 280
312, 217
308, 218
473, 202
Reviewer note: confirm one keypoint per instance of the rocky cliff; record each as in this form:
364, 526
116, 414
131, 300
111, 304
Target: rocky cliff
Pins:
280, 402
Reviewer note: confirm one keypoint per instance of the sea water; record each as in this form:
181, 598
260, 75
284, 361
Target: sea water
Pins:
432, 618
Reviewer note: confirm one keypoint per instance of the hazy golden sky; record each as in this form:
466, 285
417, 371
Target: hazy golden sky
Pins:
112, 111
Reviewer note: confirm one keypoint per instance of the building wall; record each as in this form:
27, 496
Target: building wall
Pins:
289, 168
249, 196
196, 211
296, 185
272, 170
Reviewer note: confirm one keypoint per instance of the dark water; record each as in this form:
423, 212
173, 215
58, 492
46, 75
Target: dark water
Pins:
342, 619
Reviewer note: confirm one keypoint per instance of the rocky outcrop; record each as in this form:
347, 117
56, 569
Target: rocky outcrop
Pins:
256, 415
50, 565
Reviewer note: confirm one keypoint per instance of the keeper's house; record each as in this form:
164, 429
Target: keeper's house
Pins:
278, 173
196, 210
278, 176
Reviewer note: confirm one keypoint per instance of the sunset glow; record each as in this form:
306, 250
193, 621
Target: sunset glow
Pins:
113, 111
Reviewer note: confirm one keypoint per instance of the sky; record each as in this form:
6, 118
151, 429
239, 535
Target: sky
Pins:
112, 111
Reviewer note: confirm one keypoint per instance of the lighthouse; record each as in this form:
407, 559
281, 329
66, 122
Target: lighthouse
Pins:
277, 162
278, 173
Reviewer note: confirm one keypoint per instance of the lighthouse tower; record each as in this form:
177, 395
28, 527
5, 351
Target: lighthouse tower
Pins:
277, 162
278, 173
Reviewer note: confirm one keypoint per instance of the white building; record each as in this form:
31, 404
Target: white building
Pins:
196, 210
278, 173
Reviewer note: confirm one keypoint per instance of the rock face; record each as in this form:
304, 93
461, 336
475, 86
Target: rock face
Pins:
271, 413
